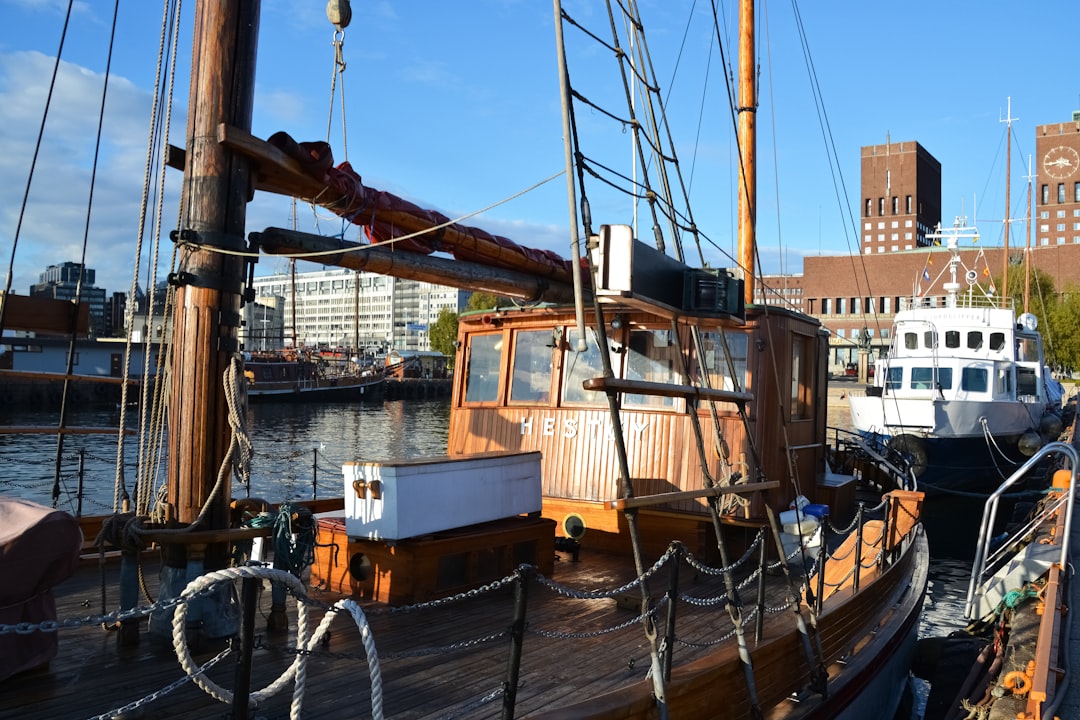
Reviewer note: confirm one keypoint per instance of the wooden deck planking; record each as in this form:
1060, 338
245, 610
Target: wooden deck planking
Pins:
91, 675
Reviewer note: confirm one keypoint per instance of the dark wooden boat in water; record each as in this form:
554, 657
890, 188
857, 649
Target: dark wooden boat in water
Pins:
636, 516
295, 376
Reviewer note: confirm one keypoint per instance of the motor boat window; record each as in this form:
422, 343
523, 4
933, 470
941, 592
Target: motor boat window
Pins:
997, 340
974, 339
952, 338
944, 379
531, 375
1027, 349
1003, 380
482, 373
895, 378
911, 341
922, 378
1026, 382
974, 379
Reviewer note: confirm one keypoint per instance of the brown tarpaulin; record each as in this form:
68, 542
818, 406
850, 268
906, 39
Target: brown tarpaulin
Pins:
39, 548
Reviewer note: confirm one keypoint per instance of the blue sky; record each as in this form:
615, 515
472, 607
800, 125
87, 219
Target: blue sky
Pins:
454, 105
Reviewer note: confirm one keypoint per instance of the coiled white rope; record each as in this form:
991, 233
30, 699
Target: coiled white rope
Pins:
298, 668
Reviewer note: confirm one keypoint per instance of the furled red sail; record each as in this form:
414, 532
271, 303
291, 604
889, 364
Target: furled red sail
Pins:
387, 217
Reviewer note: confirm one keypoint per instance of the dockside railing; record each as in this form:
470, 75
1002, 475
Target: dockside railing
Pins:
988, 558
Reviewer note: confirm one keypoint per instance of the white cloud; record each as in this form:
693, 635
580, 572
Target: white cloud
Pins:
54, 223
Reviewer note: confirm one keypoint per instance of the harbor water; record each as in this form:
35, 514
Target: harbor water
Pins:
299, 450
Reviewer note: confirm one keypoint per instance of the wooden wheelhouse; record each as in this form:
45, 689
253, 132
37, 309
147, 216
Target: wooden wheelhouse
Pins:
522, 385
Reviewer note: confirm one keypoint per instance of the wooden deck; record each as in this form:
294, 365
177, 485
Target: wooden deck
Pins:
450, 659
92, 675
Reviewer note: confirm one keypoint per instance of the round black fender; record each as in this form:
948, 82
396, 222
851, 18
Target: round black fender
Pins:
913, 448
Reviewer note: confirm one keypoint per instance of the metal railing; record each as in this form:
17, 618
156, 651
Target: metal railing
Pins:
985, 557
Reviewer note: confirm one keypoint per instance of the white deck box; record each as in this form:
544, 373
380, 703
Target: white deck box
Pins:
397, 499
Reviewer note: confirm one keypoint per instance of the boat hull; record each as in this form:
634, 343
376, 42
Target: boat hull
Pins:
951, 445
341, 391
869, 682
942, 419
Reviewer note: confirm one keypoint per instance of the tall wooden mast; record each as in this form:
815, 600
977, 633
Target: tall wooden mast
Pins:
217, 187
747, 146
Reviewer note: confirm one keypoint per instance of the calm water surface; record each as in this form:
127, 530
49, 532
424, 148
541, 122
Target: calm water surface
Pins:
297, 447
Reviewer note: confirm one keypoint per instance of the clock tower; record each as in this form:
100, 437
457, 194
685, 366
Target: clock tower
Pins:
1057, 184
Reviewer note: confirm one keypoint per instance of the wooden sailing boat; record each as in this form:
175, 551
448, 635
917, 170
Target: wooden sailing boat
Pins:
676, 426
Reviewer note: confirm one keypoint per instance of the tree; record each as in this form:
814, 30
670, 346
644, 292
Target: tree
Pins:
1062, 331
443, 333
486, 301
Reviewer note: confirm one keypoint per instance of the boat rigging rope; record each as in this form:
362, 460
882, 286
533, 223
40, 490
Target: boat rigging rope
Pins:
33, 167
992, 445
153, 401
77, 297
298, 668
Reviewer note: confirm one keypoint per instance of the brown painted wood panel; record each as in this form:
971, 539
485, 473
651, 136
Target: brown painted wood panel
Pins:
45, 315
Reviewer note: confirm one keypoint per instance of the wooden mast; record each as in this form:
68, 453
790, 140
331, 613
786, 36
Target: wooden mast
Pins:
747, 147
216, 190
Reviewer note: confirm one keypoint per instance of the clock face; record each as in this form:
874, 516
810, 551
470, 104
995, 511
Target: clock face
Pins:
1060, 162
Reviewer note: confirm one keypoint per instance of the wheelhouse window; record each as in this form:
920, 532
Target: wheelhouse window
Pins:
930, 340
974, 340
715, 360
651, 356
1027, 349
952, 338
1026, 382
802, 365
895, 378
911, 341
531, 374
922, 378
974, 379
997, 341
927, 378
482, 373
582, 366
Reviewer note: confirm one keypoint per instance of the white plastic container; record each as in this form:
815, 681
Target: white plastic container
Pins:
806, 525
399, 499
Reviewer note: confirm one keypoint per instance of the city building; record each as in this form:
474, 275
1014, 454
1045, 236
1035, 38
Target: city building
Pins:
1057, 200
60, 282
856, 296
901, 197
345, 308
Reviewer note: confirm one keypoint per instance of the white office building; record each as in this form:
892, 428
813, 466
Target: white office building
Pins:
345, 308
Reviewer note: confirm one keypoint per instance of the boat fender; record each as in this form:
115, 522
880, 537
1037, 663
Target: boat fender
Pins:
1050, 425
1029, 443
913, 449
